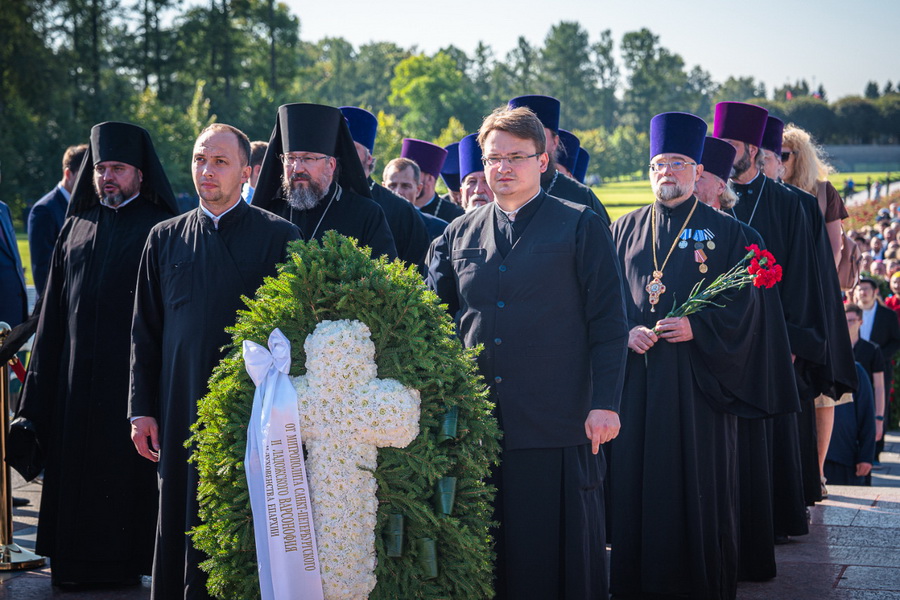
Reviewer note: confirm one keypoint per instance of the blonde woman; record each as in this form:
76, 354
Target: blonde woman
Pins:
805, 167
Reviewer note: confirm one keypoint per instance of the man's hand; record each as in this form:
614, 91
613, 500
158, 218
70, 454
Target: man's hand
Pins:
144, 429
601, 426
675, 329
879, 430
641, 339
863, 469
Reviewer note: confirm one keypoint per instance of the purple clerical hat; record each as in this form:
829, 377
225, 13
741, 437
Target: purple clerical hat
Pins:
677, 133
469, 156
773, 135
545, 107
430, 157
567, 154
740, 121
581, 165
450, 170
363, 125
718, 158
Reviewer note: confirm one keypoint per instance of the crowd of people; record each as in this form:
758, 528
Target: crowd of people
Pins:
691, 444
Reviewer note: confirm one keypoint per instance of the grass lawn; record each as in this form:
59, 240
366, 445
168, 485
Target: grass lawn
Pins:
622, 197
25, 253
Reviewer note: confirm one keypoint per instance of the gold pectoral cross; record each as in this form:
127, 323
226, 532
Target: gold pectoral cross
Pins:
655, 288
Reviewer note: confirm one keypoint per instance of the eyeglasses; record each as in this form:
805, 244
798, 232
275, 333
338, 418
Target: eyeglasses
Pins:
786, 155
513, 160
305, 161
675, 165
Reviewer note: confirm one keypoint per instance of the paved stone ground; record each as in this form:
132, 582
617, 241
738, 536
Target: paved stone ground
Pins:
851, 553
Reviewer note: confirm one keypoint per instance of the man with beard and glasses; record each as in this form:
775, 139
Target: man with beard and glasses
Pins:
553, 181
96, 490
780, 218
312, 176
193, 273
473, 186
673, 467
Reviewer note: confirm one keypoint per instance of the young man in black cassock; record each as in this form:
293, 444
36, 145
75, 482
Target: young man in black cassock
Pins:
312, 177
553, 181
98, 506
688, 379
535, 279
404, 220
193, 272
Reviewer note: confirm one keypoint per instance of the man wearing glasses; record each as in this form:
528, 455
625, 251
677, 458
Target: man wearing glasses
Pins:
534, 279
312, 176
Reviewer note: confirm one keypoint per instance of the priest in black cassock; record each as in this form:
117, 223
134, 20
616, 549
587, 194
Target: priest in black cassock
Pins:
553, 181
536, 281
688, 380
430, 158
98, 506
779, 216
312, 177
840, 349
410, 234
193, 272
755, 452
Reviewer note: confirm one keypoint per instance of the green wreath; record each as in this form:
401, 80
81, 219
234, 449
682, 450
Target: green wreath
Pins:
415, 344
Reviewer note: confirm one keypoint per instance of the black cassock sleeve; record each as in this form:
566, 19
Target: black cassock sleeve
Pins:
146, 335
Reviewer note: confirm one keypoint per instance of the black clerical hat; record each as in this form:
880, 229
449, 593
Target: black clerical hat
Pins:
569, 144
129, 144
304, 127
677, 133
450, 170
740, 121
469, 156
546, 108
581, 165
363, 125
718, 158
773, 136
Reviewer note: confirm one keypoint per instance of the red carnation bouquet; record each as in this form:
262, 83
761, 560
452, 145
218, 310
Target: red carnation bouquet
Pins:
758, 267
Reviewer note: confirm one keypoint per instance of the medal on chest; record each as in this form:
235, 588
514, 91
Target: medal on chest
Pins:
656, 288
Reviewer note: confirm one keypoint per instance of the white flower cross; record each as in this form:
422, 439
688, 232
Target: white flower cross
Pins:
346, 413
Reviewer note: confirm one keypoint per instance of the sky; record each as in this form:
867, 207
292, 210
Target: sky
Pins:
839, 44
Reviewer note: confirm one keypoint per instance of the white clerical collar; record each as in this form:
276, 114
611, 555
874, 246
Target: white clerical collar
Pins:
430, 202
755, 177
215, 219
124, 203
868, 320
511, 214
66, 193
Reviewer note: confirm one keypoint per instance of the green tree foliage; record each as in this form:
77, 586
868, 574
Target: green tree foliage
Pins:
415, 345
68, 64
432, 89
858, 120
657, 80
740, 89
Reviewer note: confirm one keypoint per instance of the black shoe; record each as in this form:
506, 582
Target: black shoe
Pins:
20, 501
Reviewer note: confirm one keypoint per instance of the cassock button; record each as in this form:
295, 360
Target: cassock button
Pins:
498, 341
503, 268
501, 304
498, 379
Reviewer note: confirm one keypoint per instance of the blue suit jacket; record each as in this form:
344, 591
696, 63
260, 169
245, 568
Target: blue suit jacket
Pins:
13, 295
45, 221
